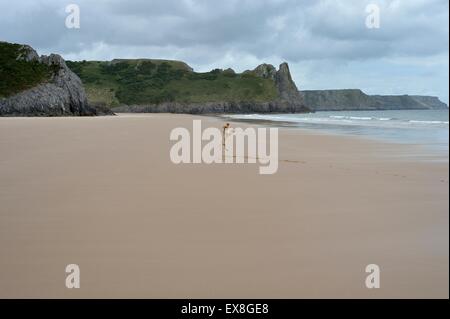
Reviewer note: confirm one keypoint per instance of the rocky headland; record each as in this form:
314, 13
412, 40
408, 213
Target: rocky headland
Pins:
357, 100
55, 91
153, 86
288, 98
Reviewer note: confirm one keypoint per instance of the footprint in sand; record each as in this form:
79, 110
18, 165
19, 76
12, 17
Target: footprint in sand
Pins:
293, 161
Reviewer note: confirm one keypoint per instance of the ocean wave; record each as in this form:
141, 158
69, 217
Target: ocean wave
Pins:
428, 128
381, 121
360, 118
338, 117
363, 118
428, 122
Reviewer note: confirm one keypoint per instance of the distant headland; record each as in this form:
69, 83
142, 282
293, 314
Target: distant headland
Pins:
357, 100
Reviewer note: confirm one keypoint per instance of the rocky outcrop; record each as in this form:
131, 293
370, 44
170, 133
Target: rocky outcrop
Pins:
266, 71
287, 89
357, 100
229, 71
62, 95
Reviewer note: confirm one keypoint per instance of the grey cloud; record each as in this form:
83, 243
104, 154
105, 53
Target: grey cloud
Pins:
207, 32
309, 30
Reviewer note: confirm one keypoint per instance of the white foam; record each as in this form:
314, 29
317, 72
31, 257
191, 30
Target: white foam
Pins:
428, 122
360, 118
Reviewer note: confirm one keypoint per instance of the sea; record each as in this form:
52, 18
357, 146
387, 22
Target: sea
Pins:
426, 128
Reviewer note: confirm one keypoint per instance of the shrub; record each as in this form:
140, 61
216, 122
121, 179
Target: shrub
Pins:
18, 75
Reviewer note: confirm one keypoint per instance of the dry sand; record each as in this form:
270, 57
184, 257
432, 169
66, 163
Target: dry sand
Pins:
103, 194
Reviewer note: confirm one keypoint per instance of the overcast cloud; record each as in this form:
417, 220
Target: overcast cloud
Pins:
325, 42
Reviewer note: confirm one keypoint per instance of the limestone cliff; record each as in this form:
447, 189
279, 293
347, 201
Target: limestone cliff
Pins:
357, 100
62, 94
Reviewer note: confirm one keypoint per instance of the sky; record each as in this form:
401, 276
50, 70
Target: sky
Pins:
326, 42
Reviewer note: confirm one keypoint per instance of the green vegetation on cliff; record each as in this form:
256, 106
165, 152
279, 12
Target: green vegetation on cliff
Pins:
17, 73
137, 82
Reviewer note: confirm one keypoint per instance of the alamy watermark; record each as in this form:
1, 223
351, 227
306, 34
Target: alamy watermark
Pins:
373, 16
373, 279
73, 18
73, 277
226, 146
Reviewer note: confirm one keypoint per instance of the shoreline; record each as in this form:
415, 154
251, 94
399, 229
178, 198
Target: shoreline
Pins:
415, 151
102, 193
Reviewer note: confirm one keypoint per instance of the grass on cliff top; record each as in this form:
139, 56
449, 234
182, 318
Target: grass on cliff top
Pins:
18, 75
156, 81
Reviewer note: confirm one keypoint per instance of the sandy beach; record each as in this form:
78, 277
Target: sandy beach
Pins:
102, 193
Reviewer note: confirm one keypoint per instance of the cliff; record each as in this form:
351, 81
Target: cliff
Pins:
146, 85
33, 85
355, 100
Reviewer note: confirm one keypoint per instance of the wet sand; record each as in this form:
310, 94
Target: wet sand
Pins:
102, 193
